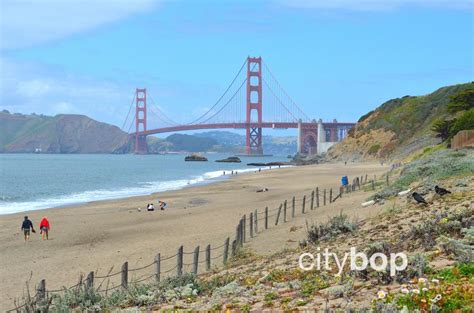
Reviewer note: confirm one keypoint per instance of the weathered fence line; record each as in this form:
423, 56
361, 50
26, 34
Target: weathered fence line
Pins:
234, 246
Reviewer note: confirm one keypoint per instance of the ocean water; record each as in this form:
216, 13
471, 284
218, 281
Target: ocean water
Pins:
39, 181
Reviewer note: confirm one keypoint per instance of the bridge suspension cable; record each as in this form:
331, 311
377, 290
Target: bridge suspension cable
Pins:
303, 115
221, 97
160, 114
128, 114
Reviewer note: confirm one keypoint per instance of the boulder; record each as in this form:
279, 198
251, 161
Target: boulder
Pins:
233, 159
195, 157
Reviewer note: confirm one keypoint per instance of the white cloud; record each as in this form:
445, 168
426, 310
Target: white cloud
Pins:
24, 23
378, 5
29, 87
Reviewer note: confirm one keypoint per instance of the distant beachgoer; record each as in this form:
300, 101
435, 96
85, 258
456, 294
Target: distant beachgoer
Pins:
278, 166
224, 173
163, 205
345, 163
44, 228
150, 207
262, 190
344, 181
259, 170
26, 226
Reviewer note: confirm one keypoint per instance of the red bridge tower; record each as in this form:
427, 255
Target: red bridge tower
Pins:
140, 121
254, 102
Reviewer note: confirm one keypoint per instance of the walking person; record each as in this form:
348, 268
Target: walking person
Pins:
44, 228
26, 226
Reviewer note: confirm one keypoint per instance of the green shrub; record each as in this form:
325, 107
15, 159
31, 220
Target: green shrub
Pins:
374, 149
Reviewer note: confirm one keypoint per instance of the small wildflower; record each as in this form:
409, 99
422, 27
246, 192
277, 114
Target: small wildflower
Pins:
381, 294
424, 289
416, 291
422, 280
435, 281
405, 291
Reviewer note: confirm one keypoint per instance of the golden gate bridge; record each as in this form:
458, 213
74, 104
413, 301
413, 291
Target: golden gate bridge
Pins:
240, 107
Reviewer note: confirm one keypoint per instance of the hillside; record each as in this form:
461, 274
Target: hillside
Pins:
63, 133
233, 142
398, 127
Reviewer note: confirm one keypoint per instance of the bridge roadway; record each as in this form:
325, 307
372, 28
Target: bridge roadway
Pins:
274, 125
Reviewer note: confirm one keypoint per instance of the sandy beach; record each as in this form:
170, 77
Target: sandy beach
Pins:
100, 236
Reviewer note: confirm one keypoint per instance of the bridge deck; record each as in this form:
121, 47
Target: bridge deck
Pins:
274, 125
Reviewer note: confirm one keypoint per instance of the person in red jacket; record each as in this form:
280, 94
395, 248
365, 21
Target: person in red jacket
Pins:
44, 227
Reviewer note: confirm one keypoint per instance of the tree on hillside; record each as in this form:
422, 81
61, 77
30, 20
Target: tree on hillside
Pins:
441, 128
465, 121
462, 101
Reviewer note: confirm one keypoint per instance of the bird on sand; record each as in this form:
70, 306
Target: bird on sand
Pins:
441, 191
418, 198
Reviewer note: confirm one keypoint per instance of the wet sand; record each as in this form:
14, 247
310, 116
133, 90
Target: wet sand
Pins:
100, 236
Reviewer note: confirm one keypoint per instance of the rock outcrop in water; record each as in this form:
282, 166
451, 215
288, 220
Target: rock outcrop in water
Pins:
195, 157
230, 160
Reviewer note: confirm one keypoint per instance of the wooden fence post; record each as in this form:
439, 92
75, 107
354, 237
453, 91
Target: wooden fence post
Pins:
366, 178
90, 280
244, 233
237, 232
196, 260
341, 191
208, 257
251, 224
324, 197
266, 217
41, 289
240, 238
387, 179
312, 200
293, 207
284, 212
255, 217
330, 195
125, 275
317, 197
158, 267
179, 268
304, 204
278, 215
226, 251
234, 247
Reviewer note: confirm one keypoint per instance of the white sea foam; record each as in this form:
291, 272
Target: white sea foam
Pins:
144, 188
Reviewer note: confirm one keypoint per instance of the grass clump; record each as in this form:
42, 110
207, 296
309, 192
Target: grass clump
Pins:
339, 224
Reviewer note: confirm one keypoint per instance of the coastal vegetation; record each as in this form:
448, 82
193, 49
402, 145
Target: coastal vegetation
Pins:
402, 126
437, 238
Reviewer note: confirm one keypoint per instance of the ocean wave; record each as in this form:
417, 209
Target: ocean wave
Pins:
144, 188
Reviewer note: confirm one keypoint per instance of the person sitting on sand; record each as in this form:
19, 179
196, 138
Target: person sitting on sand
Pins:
150, 207
26, 226
44, 227
262, 190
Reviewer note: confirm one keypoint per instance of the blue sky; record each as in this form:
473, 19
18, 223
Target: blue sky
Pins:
337, 59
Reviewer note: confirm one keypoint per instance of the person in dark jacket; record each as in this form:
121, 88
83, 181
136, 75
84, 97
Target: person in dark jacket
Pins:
26, 227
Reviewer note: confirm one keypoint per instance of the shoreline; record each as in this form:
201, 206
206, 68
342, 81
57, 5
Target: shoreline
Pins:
101, 235
203, 182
